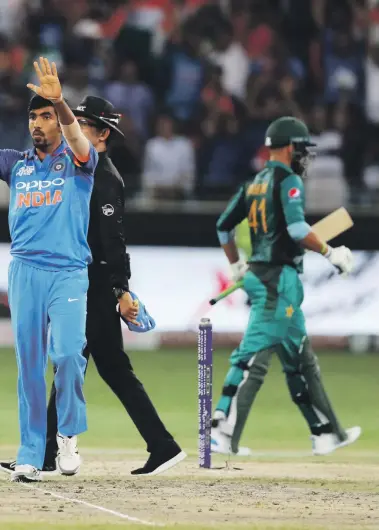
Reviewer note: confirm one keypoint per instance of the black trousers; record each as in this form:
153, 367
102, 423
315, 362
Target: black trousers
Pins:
105, 345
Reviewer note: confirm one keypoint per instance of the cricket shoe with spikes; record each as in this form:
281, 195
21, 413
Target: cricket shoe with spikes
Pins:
221, 443
68, 459
324, 444
25, 473
49, 468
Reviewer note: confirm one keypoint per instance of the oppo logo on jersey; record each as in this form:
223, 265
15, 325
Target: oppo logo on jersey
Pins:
38, 198
39, 184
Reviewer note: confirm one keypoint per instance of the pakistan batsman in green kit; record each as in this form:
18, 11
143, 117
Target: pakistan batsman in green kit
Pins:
273, 203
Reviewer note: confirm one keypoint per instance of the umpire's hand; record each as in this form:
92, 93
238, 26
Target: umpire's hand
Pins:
129, 308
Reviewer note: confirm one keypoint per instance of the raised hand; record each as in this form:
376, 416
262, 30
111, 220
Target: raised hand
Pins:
50, 86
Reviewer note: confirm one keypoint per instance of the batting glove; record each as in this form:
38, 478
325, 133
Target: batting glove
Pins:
238, 270
341, 258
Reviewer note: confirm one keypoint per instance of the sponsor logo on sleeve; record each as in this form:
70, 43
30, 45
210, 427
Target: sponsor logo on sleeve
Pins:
294, 193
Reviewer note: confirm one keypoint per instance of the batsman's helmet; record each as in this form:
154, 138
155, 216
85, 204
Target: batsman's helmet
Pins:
288, 131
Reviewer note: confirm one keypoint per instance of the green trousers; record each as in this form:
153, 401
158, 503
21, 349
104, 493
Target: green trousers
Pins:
276, 325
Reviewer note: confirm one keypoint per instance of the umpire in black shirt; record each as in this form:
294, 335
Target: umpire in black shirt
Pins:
109, 276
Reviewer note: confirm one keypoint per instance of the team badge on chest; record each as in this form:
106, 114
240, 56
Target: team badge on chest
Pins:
58, 166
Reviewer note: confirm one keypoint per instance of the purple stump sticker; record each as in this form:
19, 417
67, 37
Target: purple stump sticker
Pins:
205, 365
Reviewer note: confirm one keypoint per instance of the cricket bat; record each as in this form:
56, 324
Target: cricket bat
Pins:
328, 228
333, 225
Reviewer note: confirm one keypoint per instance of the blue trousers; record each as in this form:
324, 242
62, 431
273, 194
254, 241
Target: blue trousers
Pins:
42, 301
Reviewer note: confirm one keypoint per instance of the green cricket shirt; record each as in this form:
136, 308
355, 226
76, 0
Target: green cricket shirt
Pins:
273, 203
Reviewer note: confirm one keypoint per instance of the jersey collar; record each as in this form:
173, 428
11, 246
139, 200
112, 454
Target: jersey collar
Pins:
274, 163
31, 153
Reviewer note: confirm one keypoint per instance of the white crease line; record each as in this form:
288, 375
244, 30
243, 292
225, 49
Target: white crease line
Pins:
89, 505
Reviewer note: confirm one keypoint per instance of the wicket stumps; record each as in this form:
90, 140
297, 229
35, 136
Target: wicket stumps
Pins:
205, 365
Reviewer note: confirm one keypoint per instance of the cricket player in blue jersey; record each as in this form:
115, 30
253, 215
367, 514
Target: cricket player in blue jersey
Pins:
50, 190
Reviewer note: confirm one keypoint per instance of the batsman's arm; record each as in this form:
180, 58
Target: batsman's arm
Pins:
234, 213
292, 198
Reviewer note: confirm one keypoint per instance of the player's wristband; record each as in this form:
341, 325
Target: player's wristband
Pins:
326, 250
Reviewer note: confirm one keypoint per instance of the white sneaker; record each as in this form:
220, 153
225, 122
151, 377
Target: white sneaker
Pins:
68, 459
26, 473
323, 444
352, 436
221, 444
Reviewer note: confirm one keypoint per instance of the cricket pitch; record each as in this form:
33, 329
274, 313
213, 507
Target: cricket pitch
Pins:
267, 492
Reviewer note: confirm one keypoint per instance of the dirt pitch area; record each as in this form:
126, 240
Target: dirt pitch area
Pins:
263, 493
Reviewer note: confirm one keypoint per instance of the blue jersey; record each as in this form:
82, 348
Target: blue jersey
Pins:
49, 206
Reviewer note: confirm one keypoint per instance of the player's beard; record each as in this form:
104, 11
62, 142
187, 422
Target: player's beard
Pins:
40, 143
301, 160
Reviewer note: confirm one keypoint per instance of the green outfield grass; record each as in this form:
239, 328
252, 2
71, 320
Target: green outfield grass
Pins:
171, 379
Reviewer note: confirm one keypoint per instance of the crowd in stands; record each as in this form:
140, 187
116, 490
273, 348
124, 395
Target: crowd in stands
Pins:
198, 81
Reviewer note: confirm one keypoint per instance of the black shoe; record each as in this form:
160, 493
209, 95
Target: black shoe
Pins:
8, 467
32, 475
160, 461
49, 467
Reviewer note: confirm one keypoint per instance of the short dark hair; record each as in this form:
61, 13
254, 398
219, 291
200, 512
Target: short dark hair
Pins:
38, 102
